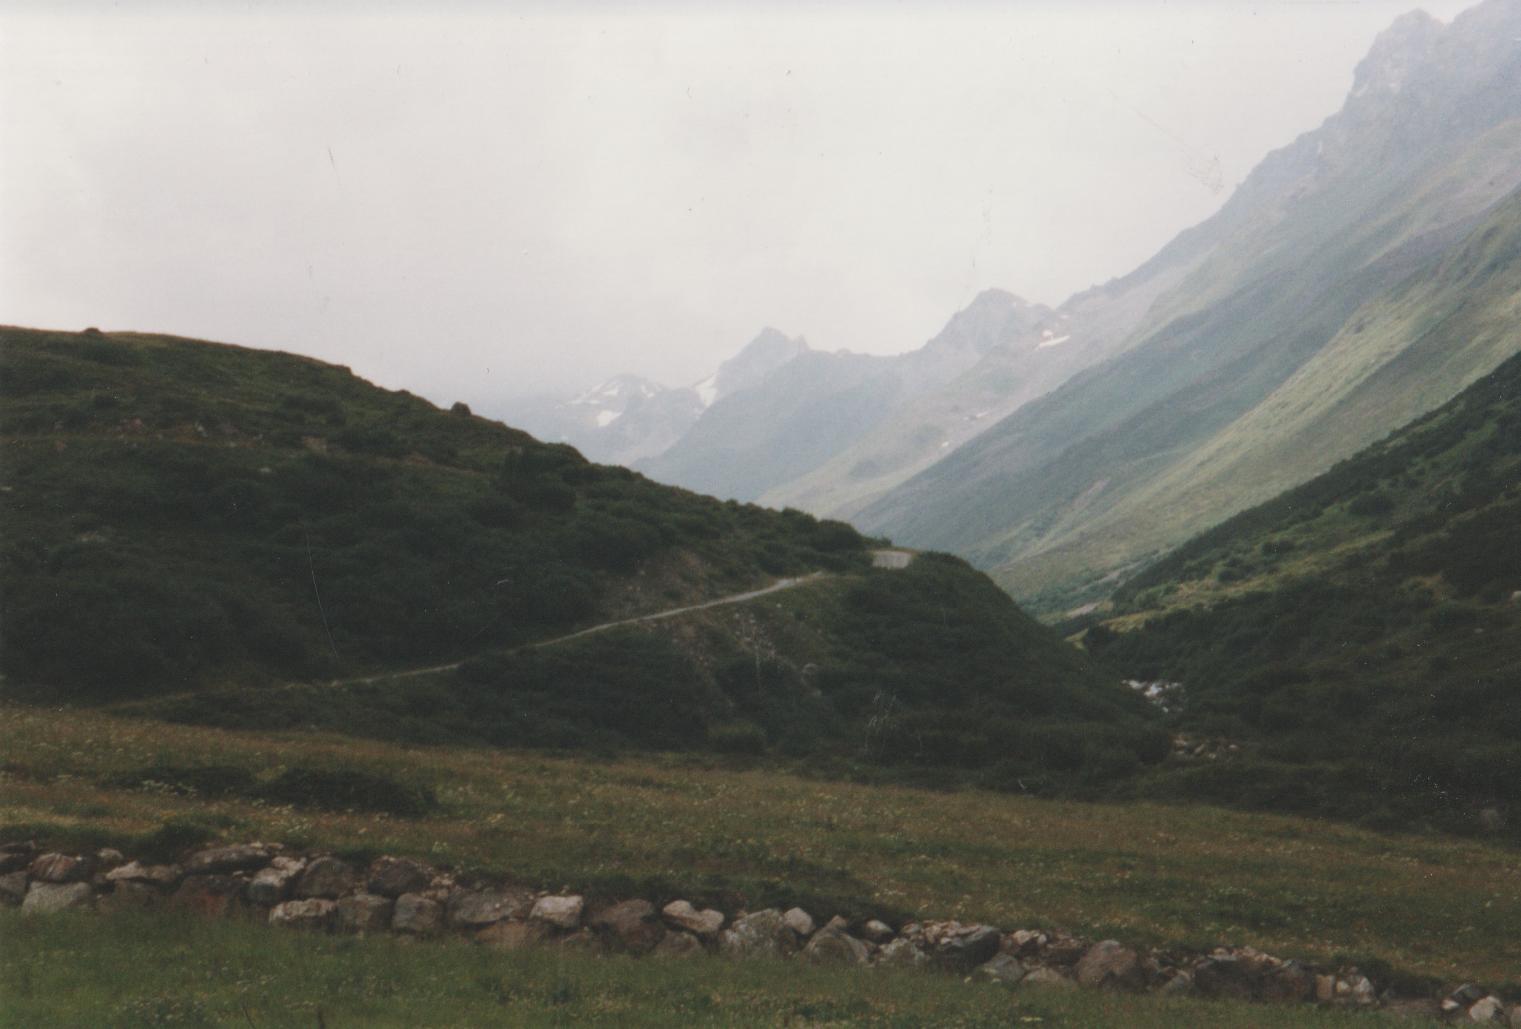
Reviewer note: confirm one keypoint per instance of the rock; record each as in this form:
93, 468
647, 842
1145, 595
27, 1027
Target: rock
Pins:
962, 948
13, 888
560, 912
582, 941
759, 934
799, 921
417, 914
237, 858
1063, 951
46, 898
108, 857
1355, 989
1487, 1009
679, 914
161, 876
838, 922
630, 926
1325, 988
212, 896
325, 877
1047, 976
129, 896
1024, 942
392, 876
902, 953
1000, 968
61, 868
1180, 984
1110, 965
312, 913
365, 913
1515, 1017
877, 931
513, 934
475, 909
272, 884
679, 945
832, 946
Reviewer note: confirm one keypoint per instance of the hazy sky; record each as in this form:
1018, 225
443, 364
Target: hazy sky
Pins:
478, 200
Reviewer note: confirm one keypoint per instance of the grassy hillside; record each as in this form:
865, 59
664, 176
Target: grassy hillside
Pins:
667, 826
1356, 285
228, 530
1360, 634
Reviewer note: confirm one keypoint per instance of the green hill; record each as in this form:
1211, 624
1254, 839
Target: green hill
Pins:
213, 534
1360, 635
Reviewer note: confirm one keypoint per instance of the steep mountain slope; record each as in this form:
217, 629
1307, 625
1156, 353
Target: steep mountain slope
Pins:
196, 525
1361, 633
1319, 253
813, 407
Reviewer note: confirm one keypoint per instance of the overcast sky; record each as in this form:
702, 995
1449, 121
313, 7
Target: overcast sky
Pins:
476, 200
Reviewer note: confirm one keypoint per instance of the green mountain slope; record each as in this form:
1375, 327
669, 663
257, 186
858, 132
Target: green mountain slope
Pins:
213, 534
1359, 635
1295, 326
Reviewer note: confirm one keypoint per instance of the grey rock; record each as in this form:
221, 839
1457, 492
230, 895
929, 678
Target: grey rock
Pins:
902, 953
1112, 966
1487, 1009
47, 898
1025, 942
311, 913
1179, 984
1000, 968
272, 884
325, 877
962, 948
61, 868
417, 914
365, 913
13, 888
560, 912
392, 876
877, 931
679, 945
759, 934
631, 926
475, 909
582, 941
162, 876
833, 946
1047, 976
799, 921
236, 858
680, 914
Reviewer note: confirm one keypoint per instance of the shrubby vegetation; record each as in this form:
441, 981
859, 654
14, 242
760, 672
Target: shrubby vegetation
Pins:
1361, 633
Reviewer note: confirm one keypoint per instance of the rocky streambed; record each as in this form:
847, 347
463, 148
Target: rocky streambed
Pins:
321, 892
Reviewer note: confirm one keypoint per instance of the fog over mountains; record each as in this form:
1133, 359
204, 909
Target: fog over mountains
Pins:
1360, 276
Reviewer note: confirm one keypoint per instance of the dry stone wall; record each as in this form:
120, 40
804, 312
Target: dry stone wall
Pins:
321, 892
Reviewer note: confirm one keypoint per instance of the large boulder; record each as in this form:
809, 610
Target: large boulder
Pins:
877, 931
832, 946
272, 884
1000, 968
1109, 965
393, 876
365, 913
474, 909
311, 913
513, 934
62, 868
559, 912
162, 876
961, 947
678, 944
631, 926
800, 922
212, 896
760, 934
1489, 1009
239, 857
417, 914
902, 953
680, 914
47, 898
325, 877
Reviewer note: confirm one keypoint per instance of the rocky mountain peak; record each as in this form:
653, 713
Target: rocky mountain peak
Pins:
994, 317
1405, 45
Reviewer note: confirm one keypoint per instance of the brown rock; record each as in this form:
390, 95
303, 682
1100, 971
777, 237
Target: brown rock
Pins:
47, 898
513, 934
212, 896
582, 941
680, 914
161, 876
325, 877
61, 868
365, 913
312, 913
392, 876
1111, 966
630, 926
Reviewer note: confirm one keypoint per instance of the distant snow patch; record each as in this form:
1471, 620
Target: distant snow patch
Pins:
606, 418
1048, 340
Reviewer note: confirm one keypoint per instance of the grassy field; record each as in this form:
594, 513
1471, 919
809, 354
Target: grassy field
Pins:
670, 826
160, 970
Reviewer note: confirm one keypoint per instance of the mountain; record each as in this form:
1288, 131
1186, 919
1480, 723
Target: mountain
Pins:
213, 534
628, 419
1359, 636
1357, 278
790, 422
